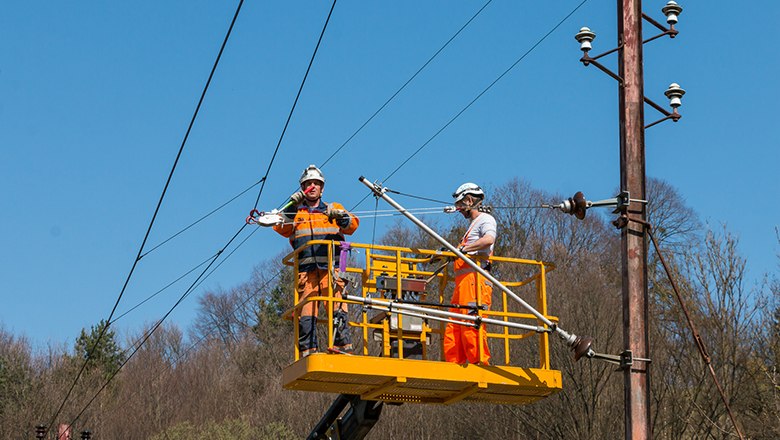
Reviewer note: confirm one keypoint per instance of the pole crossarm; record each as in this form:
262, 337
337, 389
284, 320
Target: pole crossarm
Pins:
670, 31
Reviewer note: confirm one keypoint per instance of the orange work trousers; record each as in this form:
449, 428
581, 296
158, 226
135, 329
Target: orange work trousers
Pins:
316, 283
465, 343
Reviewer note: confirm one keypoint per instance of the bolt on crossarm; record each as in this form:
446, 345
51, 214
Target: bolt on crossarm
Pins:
580, 345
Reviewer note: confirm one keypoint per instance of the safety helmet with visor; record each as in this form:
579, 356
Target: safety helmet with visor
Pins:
312, 173
468, 188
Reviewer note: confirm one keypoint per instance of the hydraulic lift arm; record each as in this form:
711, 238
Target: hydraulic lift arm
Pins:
354, 425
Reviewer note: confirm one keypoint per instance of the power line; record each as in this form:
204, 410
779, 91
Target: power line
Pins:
198, 280
457, 115
159, 322
201, 219
194, 344
289, 116
407, 82
154, 217
163, 289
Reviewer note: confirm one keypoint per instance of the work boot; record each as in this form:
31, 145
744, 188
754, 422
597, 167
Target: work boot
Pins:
308, 352
341, 332
307, 334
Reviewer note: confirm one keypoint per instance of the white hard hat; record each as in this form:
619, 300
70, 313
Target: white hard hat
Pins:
465, 189
312, 173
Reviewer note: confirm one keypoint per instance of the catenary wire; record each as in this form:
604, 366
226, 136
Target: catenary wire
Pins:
465, 25
544, 37
154, 216
485, 90
263, 180
201, 219
295, 102
162, 289
345, 142
157, 324
203, 337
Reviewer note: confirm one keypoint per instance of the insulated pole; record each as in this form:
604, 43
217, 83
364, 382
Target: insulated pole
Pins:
633, 243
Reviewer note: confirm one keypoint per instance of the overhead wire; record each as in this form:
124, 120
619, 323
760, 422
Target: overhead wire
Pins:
203, 337
475, 99
263, 180
157, 324
355, 133
201, 219
92, 349
411, 78
198, 280
163, 289
298, 95
134, 347
485, 90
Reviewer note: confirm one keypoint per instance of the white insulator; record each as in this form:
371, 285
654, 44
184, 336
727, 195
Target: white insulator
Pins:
672, 11
585, 37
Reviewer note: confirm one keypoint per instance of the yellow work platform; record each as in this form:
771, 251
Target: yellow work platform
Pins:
419, 381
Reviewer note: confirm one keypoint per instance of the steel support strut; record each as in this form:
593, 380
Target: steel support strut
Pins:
440, 315
580, 345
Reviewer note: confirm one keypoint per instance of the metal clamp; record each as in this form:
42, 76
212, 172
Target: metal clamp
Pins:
625, 359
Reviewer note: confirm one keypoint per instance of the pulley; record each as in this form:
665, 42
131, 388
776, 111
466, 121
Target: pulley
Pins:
266, 219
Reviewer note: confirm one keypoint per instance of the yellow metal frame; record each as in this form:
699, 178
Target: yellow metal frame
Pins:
429, 380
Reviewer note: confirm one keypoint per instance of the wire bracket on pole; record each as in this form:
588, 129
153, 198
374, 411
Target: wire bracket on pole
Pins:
625, 360
577, 205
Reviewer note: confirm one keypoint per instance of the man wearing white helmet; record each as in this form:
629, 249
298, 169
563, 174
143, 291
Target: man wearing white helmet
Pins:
309, 218
465, 343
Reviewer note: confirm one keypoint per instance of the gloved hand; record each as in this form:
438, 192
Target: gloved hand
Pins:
340, 216
297, 197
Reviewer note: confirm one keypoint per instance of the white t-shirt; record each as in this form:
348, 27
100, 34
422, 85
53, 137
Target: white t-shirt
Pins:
481, 226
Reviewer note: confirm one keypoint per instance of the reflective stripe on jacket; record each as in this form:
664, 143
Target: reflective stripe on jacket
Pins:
311, 223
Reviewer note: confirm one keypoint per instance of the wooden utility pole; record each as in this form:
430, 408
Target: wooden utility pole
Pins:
634, 245
635, 358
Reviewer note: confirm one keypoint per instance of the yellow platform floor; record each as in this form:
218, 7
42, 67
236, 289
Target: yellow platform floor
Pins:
414, 381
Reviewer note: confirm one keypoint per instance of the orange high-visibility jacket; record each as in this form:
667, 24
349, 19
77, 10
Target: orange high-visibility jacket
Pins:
311, 223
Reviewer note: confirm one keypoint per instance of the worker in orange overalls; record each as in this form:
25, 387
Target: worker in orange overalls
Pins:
466, 343
309, 218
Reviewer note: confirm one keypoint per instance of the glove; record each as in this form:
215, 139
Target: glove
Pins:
340, 216
297, 197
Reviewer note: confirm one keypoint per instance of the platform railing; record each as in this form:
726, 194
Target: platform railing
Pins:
387, 263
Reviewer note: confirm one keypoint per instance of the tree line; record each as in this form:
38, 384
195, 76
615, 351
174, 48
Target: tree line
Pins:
220, 378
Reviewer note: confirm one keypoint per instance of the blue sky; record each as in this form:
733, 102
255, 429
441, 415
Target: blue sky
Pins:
95, 98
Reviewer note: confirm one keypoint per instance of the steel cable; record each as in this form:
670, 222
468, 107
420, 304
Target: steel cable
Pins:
485, 90
151, 223
295, 103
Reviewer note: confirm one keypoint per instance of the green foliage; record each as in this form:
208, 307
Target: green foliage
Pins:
275, 301
102, 354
